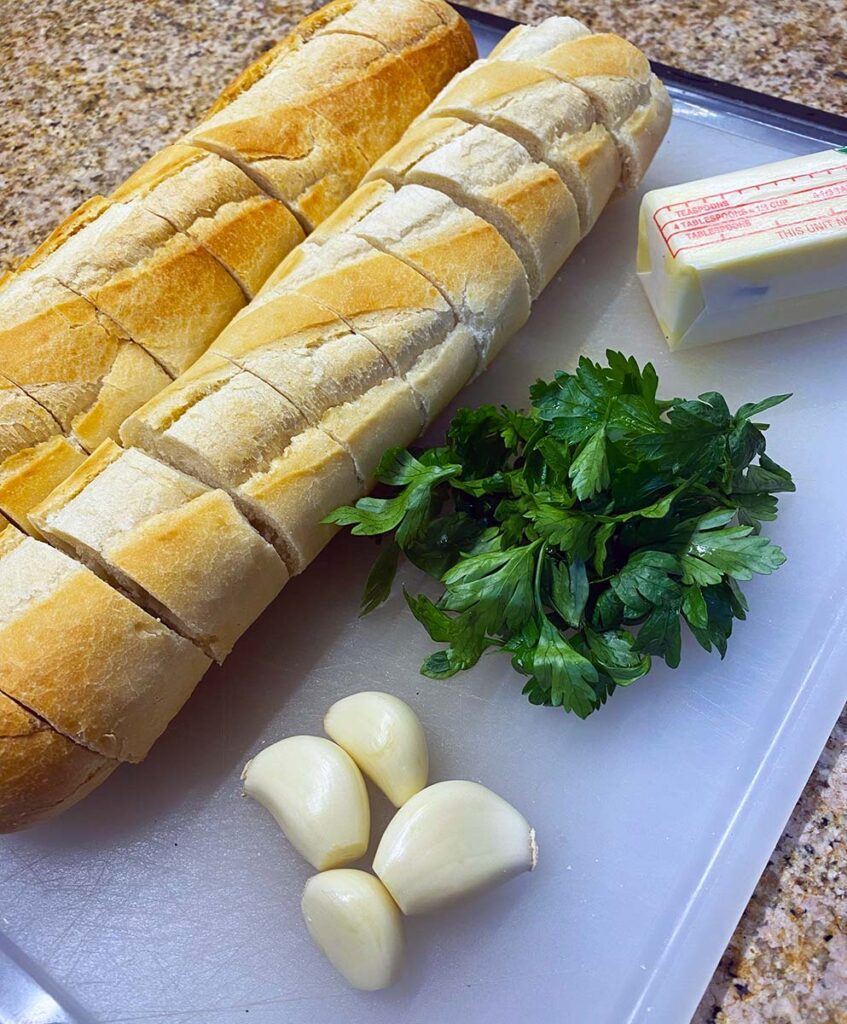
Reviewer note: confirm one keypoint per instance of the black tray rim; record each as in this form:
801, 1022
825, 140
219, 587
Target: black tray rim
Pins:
787, 115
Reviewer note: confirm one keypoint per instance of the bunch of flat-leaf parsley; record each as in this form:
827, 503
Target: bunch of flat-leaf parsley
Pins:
578, 536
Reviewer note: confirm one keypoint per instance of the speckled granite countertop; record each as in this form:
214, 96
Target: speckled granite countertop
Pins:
90, 90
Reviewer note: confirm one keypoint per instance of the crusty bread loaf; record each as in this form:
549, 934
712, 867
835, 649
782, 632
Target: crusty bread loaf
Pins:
351, 346
210, 199
41, 772
298, 129
180, 550
119, 682
57, 348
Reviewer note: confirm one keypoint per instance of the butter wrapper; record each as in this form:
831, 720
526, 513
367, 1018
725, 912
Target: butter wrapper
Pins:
750, 251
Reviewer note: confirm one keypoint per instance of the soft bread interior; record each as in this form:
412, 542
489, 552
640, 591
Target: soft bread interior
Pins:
28, 476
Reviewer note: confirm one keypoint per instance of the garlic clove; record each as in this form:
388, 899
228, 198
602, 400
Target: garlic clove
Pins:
386, 740
357, 925
450, 840
317, 795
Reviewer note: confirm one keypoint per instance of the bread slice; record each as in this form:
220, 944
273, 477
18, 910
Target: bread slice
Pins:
41, 772
497, 179
447, 243
315, 474
181, 551
383, 298
442, 371
318, 370
70, 360
629, 100
294, 492
554, 120
385, 417
217, 423
211, 200
28, 476
422, 138
430, 36
161, 287
84, 658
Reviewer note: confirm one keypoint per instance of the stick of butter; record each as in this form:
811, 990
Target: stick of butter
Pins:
746, 252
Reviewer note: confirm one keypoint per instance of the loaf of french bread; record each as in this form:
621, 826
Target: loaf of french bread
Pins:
131, 289
217, 491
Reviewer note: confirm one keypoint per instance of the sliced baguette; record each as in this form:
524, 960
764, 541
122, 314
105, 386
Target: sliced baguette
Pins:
389, 302
448, 244
161, 287
83, 657
629, 100
217, 422
497, 179
554, 120
41, 772
210, 199
180, 550
71, 360
315, 473
281, 473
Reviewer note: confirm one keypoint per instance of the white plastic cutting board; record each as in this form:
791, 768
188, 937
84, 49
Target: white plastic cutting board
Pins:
165, 897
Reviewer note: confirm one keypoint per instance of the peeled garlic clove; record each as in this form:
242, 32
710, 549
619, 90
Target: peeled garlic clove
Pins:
386, 740
317, 795
450, 840
356, 923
